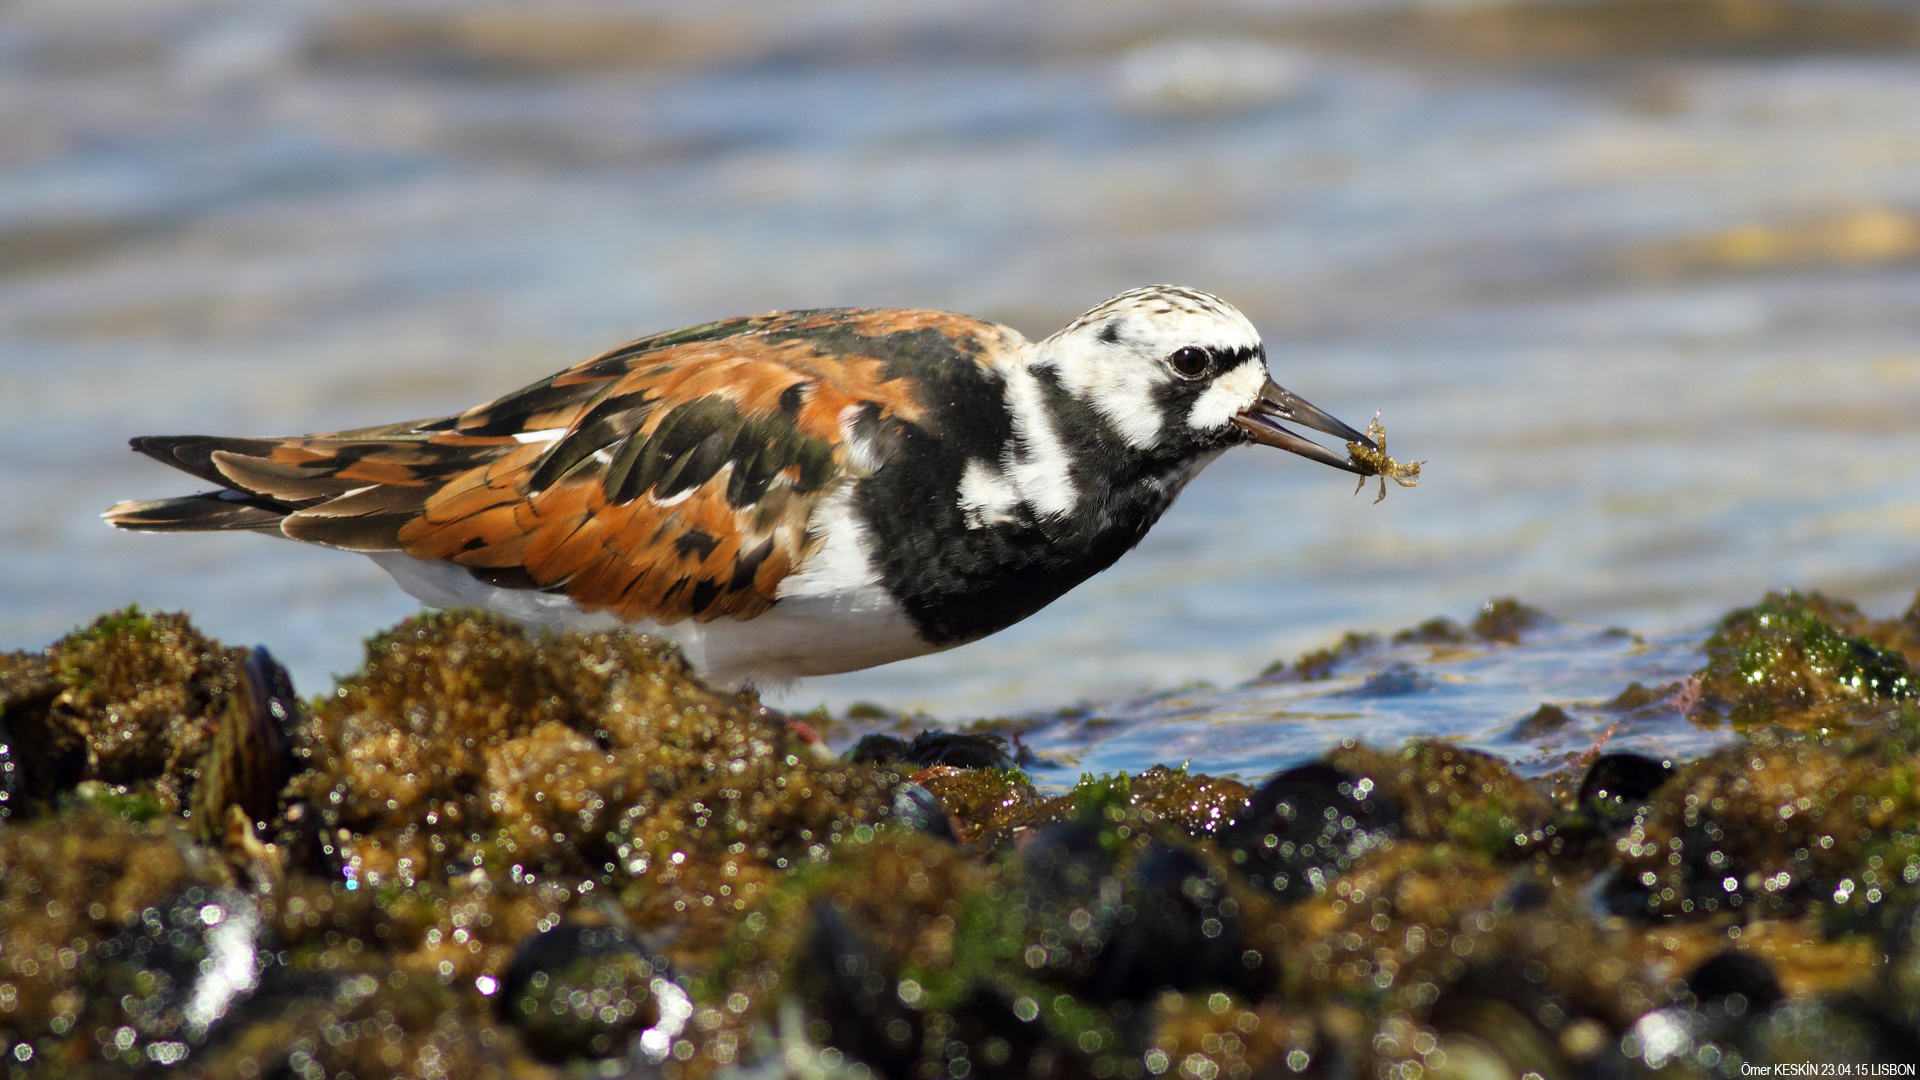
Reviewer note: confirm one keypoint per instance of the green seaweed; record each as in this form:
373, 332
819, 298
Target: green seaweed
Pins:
1788, 660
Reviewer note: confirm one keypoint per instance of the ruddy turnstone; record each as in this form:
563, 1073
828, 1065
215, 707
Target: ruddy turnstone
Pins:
790, 494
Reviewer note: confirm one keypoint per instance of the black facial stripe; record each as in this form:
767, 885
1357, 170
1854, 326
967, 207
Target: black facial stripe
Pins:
1225, 360
1174, 399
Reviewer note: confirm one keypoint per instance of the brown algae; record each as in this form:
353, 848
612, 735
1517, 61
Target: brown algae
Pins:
490, 853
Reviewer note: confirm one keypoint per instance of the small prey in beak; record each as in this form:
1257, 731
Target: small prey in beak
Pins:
1261, 421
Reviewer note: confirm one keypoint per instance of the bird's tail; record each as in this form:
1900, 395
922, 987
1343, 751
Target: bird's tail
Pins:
351, 489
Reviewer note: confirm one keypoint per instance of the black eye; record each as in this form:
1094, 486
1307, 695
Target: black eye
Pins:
1190, 361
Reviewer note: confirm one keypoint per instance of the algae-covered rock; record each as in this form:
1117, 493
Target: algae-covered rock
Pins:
466, 744
501, 854
1805, 660
1776, 825
83, 897
132, 699
987, 802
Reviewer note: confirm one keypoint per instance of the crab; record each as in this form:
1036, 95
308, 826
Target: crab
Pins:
1404, 473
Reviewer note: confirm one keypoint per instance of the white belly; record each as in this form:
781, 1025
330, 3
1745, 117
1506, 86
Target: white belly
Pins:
830, 617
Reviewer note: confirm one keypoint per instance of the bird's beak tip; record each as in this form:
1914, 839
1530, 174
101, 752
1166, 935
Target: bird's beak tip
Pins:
1262, 421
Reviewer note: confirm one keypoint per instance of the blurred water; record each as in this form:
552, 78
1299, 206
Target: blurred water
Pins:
1646, 298
1482, 696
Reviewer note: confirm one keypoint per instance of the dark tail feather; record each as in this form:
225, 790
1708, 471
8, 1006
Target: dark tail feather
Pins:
352, 490
212, 512
194, 453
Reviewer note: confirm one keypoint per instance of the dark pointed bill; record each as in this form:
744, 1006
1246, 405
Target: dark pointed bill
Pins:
1262, 421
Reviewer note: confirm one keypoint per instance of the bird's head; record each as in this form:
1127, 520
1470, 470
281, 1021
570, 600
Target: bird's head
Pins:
1177, 371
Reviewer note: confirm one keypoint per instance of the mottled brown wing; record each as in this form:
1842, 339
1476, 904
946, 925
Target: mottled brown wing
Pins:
680, 473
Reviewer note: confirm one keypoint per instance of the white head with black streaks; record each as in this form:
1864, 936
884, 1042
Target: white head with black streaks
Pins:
1163, 366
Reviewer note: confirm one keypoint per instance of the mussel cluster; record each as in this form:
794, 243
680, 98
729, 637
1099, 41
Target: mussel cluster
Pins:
492, 854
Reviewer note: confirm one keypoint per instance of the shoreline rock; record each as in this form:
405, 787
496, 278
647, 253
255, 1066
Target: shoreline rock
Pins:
489, 853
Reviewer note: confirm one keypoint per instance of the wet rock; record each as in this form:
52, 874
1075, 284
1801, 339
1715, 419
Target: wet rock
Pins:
1177, 929
854, 993
877, 749
1322, 663
1545, 720
1732, 973
1434, 931
877, 960
986, 803
466, 743
1199, 806
1618, 786
42, 756
1501, 621
304, 844
1436, 631
101, 929
1397, 679
1636, 699
958, 749
1504, 620
1307, 825
861, 1009
477, 803
963, 750
1492, 1036
1072, 887
1448, 793
994, 1038
580, 991
1215, 1033
179, 967
994, 806
378, 1021
131, 699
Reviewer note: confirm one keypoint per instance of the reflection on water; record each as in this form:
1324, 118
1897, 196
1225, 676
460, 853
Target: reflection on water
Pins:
1543, 704
1638, 278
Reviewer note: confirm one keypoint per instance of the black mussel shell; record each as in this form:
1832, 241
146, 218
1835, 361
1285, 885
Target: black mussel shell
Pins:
921, 810
1618, 785
1306, 825
590, 992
